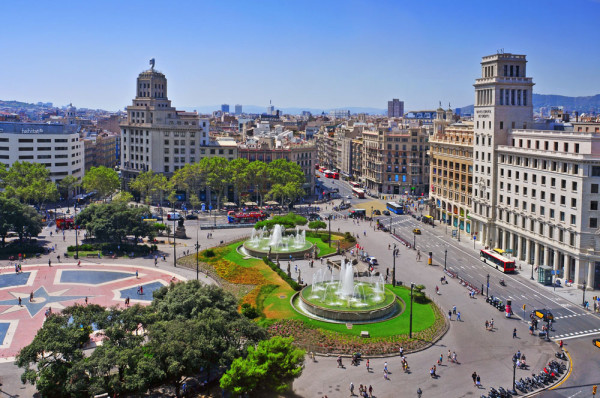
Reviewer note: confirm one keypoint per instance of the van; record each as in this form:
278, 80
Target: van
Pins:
173, 216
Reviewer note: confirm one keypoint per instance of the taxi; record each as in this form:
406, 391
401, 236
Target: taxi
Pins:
596, 342
543, 314
417, 231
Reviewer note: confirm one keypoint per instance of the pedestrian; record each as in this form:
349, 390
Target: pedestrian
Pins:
385, 367
458, 316
385, 374
351, 389
478, 382
454, 310
474, 377
449, 357
79, 263
370, 391
487, 325
368, 368
142, 290
560, 344
449, 315
49, 263
19, 301
401, 351
31, 296
440, 359
136, 274
492, 324
86, 300
514, 333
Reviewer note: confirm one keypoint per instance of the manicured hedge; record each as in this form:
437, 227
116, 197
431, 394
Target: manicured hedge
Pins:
115, 247
293, 284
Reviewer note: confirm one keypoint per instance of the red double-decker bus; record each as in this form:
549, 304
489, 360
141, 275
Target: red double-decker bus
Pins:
64, 223
354, 184
494, 259
245, 218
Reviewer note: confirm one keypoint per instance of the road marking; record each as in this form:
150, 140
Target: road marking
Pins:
568, 373
577, 335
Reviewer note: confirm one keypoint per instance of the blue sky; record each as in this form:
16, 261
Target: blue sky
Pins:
318, 54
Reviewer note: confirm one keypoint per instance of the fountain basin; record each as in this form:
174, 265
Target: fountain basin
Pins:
333, 307
284, 254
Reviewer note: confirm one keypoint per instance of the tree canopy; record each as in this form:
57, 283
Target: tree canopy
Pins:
113, 222
18, 217
187, 327
28, 182
149, 184
101, 179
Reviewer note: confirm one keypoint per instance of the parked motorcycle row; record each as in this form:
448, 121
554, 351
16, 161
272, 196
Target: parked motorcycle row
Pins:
496, 302
525, 385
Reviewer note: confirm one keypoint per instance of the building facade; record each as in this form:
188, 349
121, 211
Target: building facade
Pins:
155, 135
395, 108
225, 108
396, 162
56, 146
238, 109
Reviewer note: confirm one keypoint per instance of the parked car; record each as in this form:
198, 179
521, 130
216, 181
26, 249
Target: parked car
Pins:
386, 212
372, 260
173, 216
596, 342
191, 216
314, 217
376, 212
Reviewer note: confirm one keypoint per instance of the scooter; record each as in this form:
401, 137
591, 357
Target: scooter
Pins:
502, 283
561, 355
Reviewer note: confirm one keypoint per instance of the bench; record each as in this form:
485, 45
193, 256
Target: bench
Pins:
364, 333
91, 255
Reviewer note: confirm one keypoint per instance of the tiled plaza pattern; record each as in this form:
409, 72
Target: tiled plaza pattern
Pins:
62, 285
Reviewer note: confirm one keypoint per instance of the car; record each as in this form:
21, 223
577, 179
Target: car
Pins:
372, 260
173, 216
386, 212
191, 216
596, 342
376, 212
543, 314
345, 206
348, 197
157, 217
417, 231
314, 217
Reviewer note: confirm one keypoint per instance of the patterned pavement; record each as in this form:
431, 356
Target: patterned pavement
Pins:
62, 285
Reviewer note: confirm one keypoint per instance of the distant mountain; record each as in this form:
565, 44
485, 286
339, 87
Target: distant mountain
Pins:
579, 104
207, 109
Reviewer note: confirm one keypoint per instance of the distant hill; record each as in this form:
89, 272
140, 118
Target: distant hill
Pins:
289, 111
579, 104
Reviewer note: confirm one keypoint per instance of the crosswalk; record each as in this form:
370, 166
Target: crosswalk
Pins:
573, 335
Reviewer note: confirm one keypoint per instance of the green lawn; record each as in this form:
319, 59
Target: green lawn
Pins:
323, 247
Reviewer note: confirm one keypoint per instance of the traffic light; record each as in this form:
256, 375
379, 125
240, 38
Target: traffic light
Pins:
523, 307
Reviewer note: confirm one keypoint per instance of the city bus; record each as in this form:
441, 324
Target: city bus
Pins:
359, 193
245, 218
335, 175
395, 207
494, 259
328, 173
354, 184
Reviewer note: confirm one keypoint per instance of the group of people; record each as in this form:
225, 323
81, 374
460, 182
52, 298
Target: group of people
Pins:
489, 325
363, 391
454, 312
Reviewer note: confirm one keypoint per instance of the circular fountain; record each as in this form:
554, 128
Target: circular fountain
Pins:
262, 243
346, 300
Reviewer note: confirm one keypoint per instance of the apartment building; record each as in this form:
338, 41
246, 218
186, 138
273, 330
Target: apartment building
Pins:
451, 180
56, 146
395, 161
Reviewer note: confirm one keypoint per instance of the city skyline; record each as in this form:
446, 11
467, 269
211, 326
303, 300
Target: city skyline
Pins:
315, 55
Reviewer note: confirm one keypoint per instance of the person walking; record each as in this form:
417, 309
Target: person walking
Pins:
478, 382
449, 314
487, 325
370, 391
514, 333
351, 389
368, 367
136, 274
492, 324
474, 377
49, 263
454, 310
458, 316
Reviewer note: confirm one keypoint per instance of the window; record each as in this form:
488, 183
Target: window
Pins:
562, 216
552, 198
576, 148
563, 200
573, 219
572, 239
542, 211
533, 208
563, 184
593, 223
552, 213
573, 203
594, 205
594, 188
595, 171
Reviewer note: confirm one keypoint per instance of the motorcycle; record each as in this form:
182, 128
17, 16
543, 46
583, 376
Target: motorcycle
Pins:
561, 355
502, 283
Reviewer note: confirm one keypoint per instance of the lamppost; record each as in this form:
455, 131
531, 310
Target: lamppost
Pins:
445, 257
584, 282
76, 238
174, 245
514, 361
329, 218
197, 248
412, 285
391, 222
371, 212
414, 241
487, 291
532, 261
394, 266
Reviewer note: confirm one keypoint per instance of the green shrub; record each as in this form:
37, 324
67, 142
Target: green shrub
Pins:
249, 311
293, 284
14, 248
419, 296
208, 253
115, 248
349, 237
324, 238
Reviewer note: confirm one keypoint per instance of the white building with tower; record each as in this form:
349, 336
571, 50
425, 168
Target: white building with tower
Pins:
156, 136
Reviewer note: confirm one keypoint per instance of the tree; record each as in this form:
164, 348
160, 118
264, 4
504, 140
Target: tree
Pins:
101, 179
66, 185
239, 179
257, 174
123, 197
148, 184
28, 182
217, 177
271, 366
317, 225
113, 222
192, 179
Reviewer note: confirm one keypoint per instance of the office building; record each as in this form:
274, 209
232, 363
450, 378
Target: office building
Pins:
225, 108
156, 136
238, 109
395, 108
56, 146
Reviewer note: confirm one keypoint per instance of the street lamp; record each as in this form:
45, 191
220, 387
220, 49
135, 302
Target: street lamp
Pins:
487, 292
394, 266
514, 361
584, 282
197, 248
174, 243
412, 285
445, 257
76, 238
371, 212
414, 241
532, 261
329, 218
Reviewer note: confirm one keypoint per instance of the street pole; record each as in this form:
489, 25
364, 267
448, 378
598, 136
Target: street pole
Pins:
584, 282
445, 256
514, 370
394, 266
487, 292
414, 241
391, 222
76, 238
412, 285
174, 246
532, 261
329, 230
197, 248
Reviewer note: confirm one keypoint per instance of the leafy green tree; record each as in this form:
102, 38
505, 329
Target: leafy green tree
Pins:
217, 177
66, 186
113, 222
317, 225
271, 366
101, 179
10, 211
191, 178
123, 197
148, 185
239, 178
28, 182
257, 174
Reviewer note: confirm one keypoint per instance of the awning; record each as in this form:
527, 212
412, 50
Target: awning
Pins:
271, 203
250, 204
229, 204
